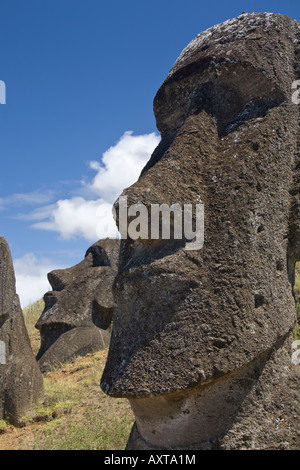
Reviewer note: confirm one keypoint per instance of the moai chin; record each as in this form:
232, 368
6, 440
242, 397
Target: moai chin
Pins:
78, 311
21, 382
201, 339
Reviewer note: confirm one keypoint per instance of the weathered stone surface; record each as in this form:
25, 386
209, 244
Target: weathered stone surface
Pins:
296, 353
78, 312
194, 331
21, 382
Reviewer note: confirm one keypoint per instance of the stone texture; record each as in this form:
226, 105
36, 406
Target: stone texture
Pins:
189, 321
78, 312
21, 382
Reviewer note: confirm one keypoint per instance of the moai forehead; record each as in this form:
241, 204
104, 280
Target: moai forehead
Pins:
230, 135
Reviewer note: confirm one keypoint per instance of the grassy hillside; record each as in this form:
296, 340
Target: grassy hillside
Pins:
31, 315
74, 414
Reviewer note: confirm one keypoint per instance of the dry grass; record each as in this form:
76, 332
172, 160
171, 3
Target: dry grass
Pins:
31, 315
74, 413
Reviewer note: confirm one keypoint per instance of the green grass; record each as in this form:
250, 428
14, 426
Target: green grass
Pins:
85, 418
90, 434
74, 413
32, 314
3, 426
103, 427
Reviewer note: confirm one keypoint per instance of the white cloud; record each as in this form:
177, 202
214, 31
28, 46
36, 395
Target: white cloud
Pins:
92, 217
31, 277
122, 164
87, 214
91, 220
40, 213
22, 199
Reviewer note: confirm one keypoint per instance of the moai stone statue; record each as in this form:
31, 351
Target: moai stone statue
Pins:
21, 382
201, 341
78, 312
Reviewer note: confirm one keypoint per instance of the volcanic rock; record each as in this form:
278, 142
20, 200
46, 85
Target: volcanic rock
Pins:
21, 382
78, 312
201, 341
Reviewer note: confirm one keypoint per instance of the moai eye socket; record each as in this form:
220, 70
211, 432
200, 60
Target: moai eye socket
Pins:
232, 105
3, 319
101, 316
99, 255
56, 281
232, 93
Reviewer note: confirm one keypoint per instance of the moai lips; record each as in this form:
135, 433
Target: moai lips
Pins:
21, 382
190, 327
78, 312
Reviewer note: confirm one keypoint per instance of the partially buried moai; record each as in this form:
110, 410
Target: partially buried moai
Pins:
201, 338
21, 382
78, 311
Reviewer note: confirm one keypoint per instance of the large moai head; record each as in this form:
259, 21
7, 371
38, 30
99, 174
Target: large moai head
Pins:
194, 329
78, 311
21, 382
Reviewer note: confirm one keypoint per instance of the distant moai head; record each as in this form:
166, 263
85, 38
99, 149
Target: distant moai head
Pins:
230, 137
21, 382
78, 312
8, 297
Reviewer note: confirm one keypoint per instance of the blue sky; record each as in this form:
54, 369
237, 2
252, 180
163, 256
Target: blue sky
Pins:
78, 122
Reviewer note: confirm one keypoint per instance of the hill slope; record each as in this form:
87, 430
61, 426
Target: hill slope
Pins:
74, 414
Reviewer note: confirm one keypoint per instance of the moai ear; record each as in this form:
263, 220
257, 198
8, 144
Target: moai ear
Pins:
101, 316
100, 257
